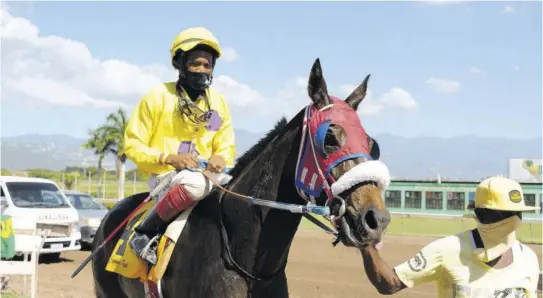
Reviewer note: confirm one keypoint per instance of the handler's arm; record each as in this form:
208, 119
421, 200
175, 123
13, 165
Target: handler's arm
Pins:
425, 266
381, 275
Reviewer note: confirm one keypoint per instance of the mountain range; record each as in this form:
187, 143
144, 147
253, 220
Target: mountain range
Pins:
458, 158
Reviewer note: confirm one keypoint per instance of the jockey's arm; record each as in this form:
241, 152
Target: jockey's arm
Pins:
138, 134
224, 144
424, 267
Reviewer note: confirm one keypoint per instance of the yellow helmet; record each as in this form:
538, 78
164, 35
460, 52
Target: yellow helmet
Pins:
191, 37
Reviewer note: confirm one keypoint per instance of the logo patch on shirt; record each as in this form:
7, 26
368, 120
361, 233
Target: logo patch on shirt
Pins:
417, 263
515, 196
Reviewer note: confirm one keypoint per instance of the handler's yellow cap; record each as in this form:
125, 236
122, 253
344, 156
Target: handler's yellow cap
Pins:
500, 193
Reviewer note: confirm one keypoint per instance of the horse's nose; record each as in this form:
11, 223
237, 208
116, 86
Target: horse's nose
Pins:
374, 221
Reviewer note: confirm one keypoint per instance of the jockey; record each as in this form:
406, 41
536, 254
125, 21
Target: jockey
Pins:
173, 125
487, 261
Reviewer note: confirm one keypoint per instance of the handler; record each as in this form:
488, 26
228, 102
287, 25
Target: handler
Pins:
487, 261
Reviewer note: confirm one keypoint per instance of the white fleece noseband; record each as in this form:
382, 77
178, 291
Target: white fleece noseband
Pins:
373, 170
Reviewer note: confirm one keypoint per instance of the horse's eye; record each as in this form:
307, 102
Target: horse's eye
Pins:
335, 138
375, 151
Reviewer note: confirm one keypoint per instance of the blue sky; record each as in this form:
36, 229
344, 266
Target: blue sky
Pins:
437, 69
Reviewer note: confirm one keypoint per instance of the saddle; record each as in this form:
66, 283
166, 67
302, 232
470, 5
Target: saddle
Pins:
125, 262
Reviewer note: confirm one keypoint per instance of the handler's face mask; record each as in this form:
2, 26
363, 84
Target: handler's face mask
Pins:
497, 238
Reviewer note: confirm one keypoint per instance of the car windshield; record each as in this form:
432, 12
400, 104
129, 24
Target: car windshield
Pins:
36, 195
84, 202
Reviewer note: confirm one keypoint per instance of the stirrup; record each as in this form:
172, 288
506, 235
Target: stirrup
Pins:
149, 252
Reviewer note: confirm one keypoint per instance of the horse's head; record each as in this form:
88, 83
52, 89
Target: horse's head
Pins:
339, 164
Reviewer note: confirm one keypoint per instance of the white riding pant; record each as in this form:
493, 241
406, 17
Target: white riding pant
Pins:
197, 185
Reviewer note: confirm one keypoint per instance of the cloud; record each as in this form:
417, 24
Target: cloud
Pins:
52, 70
63, 72
395, 98
58, 93
229, 54
476, 70
443, 86
509, 9
238, 94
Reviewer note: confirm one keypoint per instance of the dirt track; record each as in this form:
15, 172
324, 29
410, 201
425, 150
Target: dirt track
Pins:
323, 272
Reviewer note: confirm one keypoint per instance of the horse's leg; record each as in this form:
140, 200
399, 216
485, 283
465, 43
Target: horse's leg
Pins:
196, 267
106, 284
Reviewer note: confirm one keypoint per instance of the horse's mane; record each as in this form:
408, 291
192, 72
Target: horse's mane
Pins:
253, 152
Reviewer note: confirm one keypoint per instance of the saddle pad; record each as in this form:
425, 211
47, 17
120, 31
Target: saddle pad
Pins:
125, 262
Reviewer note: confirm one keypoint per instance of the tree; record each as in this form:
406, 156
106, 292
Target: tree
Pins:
101, 144
113, 133
69, 180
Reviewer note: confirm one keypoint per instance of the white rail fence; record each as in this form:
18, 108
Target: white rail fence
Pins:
29, 241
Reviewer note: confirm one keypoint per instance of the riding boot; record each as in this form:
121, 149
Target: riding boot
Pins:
145, 240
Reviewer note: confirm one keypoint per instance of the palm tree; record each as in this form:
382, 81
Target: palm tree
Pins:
112, 133
101, 147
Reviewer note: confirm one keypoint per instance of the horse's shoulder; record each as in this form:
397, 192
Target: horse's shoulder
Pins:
122, 208
132, 201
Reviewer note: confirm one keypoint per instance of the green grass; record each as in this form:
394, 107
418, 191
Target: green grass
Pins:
411, 226
110, 188
10, 294
438, 227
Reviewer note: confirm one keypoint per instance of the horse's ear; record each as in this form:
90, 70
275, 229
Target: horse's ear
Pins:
316, 87
358, 94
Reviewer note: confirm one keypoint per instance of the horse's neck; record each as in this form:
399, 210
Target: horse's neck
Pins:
260, 236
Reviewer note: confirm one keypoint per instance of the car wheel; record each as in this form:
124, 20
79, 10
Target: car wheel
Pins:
50, 258
85, 246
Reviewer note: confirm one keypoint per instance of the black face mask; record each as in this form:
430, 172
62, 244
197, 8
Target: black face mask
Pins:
198, 80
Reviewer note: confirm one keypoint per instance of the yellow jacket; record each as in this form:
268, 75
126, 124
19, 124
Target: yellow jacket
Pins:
157, 126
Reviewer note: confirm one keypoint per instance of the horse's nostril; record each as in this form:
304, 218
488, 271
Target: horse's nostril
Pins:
371, 220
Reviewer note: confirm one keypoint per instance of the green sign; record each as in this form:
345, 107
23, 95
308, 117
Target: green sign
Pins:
7, 241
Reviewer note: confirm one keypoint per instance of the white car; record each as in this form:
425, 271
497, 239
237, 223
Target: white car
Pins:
23, 198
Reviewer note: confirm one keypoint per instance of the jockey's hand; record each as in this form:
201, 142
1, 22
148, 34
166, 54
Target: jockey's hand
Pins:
182, 161
216, 164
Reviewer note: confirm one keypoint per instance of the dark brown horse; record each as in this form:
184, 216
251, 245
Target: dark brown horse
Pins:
249, 258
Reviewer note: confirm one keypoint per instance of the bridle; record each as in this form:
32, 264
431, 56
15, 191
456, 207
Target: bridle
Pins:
327, 180
327, 183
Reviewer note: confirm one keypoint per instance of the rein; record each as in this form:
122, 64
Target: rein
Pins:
305, 210
294, 208
224, 234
